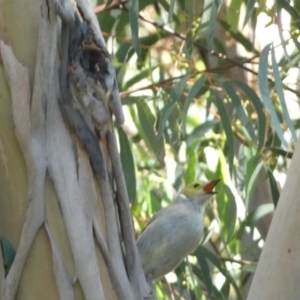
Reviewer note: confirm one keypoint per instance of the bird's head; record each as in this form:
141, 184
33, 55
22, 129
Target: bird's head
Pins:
199, 191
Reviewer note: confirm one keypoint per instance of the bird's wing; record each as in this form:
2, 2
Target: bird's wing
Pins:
156, 216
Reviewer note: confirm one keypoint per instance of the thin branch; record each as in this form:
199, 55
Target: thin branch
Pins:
239, 261
120, 6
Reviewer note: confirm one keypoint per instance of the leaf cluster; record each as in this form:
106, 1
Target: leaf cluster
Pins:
203, 101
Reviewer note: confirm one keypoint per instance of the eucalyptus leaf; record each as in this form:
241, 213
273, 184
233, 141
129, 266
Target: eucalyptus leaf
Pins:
239, 109
249, 11
225, 120
8, 253
174, 97
265, 94
147, 121
259, 110
134, 25
127, 164
279, 88
192, 94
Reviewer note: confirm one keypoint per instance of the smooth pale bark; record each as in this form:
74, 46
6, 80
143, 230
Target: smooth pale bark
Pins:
278, 272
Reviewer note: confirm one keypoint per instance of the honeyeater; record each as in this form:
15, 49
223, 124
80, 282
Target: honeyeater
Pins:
174, 231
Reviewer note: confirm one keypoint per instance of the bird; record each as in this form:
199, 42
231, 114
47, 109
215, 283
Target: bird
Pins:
174, 231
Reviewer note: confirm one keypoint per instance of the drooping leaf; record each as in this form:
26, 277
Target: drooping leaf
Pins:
171, 9
274, 188
230, 215
134, 25
253, 180
206, 277
249, 11
192, 94
291, 10
192, 162
239, 109
279, 88
218, 264
200, 130
232, 18
212, 23
153, 141
8, 253
259, 212
127, 164
227, 128
265, 94
238, 36
259, 110
174, 97
139, 77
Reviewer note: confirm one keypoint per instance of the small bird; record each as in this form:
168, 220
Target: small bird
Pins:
175, 231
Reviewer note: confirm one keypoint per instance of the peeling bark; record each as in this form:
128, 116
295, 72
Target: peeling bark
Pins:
65, 133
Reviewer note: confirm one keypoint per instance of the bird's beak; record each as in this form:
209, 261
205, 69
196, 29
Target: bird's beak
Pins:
210, 186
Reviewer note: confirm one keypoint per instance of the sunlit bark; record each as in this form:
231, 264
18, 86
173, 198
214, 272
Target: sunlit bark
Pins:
277, 273
57, 211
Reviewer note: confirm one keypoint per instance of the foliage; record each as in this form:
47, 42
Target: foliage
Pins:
206, 98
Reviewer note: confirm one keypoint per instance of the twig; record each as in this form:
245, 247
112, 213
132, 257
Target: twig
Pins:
181, 36
238, 261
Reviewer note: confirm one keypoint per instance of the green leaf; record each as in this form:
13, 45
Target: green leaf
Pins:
226, 289
123, 55
192, 162
227, 128
8, 253
140, 76
264, 90
212, 24
147, 120
259, 110
188, 8
200, 254
171, 10
127, 164
230, 215
175, 96
188, 45
274, 188
134, 25
279, 88
277, 151
252, 182
153, 141
192, 94
239, 37
200, 130
218, 264
173, 134
232, 17
249, 11
259, 212
291, 10
129, 100
205, 17
147, 43
239, 109
280, 31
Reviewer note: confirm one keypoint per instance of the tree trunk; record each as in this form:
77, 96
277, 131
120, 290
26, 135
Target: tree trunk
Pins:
277, 274
62, 192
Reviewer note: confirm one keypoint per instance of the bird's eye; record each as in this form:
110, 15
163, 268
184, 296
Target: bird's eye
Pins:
196, 185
